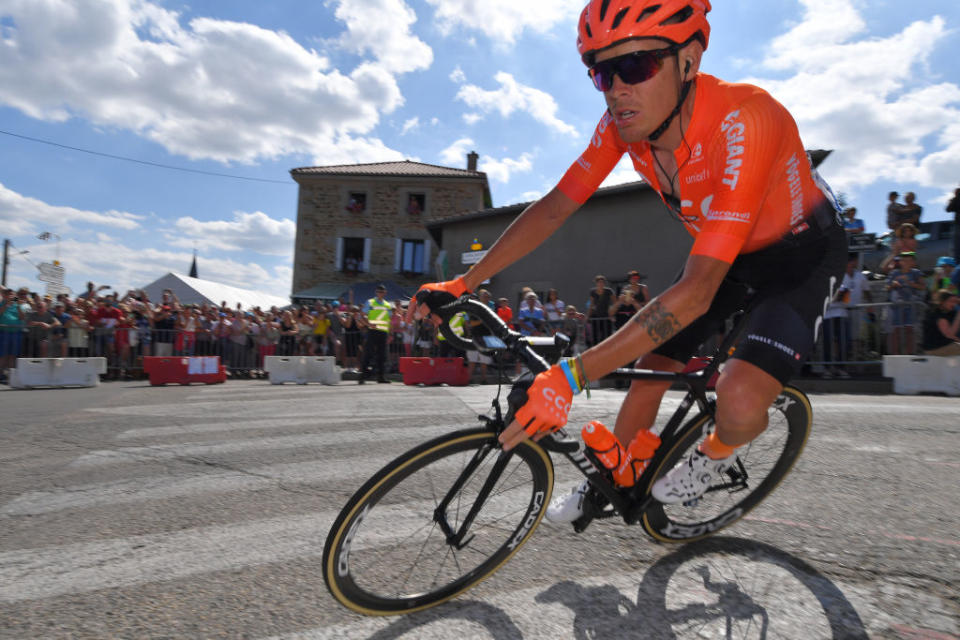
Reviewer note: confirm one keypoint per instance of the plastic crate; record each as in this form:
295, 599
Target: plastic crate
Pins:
449, 371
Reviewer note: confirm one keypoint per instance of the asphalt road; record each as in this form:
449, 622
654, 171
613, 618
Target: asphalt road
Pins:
200, 512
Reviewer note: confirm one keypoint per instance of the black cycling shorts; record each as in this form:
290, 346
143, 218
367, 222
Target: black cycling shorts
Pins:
793, 282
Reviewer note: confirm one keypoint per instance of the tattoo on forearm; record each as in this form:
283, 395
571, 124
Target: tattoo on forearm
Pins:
660, 323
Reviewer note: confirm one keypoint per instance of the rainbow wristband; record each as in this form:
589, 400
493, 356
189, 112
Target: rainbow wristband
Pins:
571, 373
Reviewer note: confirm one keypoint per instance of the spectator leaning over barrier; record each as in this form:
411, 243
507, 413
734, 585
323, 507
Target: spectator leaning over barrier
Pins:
58, 336
12, 317
941, 325
943, 275
78, 332
840, 330
40, 323
906, 286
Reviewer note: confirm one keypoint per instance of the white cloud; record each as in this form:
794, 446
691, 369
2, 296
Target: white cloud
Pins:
872, 100
472, 118
501, 170
382, 28
21, 215
513, 96
213, 89
255, 232
622, 173
454, 154
504, 20
457, 76
410, 125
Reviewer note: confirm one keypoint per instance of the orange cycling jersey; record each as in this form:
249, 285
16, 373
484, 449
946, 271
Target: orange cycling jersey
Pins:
745, 180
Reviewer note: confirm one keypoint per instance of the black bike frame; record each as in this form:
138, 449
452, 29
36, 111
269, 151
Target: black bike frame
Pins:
630, 503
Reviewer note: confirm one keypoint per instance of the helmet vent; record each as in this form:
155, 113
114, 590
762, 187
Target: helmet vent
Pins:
679, 16
618, 18
646, 12
589, 30
603, 9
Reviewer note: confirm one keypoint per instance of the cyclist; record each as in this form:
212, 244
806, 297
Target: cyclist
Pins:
728, 162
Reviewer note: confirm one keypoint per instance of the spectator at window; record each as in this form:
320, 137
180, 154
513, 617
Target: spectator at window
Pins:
941, 324
906, 287
553, 308
598, 311
851, 223
413, 205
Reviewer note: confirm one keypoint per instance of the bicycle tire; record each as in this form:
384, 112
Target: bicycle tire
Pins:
786, 435
377, 520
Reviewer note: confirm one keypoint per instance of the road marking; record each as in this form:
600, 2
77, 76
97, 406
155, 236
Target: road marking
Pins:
127, 455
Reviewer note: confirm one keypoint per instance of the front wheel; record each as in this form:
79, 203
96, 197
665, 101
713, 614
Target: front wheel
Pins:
761, 465
435, 522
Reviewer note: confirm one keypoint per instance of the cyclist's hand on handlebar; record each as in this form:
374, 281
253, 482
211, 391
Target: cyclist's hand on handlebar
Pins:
434, 295
544, 406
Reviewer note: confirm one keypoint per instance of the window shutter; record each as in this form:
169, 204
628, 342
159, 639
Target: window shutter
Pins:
398, 254
338, 261
366, 255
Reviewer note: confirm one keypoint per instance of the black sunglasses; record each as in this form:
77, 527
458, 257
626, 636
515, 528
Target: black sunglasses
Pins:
633, 68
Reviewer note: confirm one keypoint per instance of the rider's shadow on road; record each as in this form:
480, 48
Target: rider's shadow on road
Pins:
495, 621
736, 588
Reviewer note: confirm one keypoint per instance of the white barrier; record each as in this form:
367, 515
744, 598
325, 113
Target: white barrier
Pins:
923, 374
302, 369
57, 372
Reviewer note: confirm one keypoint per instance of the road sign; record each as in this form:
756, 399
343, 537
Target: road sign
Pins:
862, 241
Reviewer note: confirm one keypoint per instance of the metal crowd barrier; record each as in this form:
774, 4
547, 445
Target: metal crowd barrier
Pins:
868, 332
124, 348
861, 339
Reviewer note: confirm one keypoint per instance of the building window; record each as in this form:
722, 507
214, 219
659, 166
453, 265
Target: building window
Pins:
356, 202
411, 256
353, 255
416, 204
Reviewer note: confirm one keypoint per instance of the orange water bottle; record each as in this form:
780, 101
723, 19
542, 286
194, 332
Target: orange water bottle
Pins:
604, 444
637, 458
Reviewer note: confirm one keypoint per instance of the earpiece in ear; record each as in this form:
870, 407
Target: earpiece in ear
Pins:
686, 69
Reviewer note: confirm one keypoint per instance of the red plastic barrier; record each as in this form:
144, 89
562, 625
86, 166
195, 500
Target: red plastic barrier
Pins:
178, 370
699, 362
434, 371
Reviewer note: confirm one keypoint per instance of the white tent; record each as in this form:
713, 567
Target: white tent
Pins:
196, 291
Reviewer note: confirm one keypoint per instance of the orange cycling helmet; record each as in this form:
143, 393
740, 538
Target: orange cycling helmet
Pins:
605, 23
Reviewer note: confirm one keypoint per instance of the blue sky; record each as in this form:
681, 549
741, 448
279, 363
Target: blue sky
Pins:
253, 89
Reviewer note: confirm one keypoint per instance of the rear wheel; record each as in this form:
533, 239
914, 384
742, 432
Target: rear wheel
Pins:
761, 465
395, 547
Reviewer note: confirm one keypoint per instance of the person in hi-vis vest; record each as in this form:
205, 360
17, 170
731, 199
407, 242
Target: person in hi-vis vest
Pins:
378, 312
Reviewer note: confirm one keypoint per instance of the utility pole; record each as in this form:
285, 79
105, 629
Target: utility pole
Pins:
6, 260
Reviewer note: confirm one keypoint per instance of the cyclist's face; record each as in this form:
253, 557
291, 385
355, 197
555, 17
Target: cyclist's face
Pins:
638, 109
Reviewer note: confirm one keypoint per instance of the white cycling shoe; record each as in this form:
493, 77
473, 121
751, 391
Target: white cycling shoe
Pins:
564, 509
691, 478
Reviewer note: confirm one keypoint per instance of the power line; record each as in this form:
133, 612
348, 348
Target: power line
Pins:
144, 162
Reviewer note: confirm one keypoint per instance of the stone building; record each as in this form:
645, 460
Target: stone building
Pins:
365, 223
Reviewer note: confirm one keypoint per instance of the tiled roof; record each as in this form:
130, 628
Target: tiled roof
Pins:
520, 206
403, 168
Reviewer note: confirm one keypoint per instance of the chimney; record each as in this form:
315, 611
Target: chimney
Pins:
472, 158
